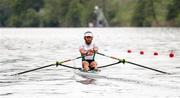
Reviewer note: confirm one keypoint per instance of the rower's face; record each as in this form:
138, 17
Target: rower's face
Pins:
88, 39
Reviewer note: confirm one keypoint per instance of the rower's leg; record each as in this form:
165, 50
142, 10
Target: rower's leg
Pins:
85, 65
94, 65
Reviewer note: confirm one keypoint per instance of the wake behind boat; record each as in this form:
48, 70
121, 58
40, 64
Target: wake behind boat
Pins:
88, 77
89, 74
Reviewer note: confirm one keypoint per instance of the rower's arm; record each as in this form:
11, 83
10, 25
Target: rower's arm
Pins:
82, 51
95, 49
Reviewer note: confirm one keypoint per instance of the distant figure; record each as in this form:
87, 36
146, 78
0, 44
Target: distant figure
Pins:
88, 51
100, 20
91, 24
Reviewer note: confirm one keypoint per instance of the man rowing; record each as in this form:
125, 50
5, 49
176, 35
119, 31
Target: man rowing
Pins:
88, 51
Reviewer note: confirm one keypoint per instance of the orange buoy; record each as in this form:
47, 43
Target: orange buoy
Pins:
171, 55
156, 53
129, 51
141, 52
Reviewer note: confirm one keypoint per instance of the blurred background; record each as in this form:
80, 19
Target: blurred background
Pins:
89, 13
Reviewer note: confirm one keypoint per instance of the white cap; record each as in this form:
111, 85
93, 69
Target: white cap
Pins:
88, 33
96, 7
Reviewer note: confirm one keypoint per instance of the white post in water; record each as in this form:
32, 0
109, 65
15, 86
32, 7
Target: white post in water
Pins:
101, 20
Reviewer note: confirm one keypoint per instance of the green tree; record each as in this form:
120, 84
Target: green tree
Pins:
28, 19
24, 13
23, 5
31, 18
144, 14
80, 12
6, 11
73, 15
173, 15
54, 12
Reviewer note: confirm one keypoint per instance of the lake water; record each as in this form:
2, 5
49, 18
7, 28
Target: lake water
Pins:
28, 48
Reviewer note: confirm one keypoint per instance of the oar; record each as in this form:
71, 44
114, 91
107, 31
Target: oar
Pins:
122, 60
109, 64
67, 66
46, 66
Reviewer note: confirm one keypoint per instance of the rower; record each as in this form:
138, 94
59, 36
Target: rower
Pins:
88, 51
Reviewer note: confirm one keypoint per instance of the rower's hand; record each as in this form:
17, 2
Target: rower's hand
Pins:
90, 52
95, 50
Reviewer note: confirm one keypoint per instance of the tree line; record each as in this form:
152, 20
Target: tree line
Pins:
78, 13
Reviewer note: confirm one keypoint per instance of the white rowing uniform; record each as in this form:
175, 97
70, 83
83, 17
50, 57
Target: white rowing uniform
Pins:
86, 47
